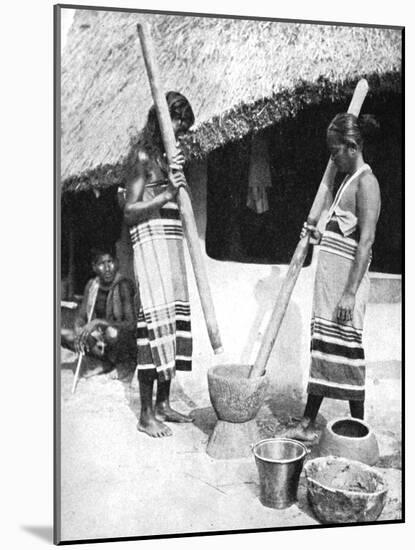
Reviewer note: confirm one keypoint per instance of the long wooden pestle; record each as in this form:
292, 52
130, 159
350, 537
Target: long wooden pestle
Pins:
183, 199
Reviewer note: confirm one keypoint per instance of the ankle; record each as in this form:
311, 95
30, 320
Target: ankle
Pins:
163, 404
307, 423
146, 412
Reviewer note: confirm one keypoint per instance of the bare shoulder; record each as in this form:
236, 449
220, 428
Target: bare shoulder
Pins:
368, 184
368, 193
137, 175
368, 179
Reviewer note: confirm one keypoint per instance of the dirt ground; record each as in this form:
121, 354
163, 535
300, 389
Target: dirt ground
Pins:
118, 482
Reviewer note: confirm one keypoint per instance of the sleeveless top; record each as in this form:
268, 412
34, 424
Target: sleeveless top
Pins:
341, 234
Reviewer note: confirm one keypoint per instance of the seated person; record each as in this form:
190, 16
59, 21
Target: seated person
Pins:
105, 324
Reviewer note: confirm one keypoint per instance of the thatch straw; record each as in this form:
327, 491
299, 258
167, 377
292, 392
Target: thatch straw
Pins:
240, 76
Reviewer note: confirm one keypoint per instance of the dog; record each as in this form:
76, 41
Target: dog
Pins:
98, 345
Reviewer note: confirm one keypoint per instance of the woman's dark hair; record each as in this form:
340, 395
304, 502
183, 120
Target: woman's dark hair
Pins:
179, 106
352, 129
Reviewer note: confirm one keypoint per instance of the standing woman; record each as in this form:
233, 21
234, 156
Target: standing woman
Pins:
164, 341
341, 289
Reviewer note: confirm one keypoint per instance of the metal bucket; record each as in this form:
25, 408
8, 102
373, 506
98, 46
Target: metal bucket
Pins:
279, 461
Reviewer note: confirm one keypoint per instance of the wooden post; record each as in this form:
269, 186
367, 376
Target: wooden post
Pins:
183, 199
300, 253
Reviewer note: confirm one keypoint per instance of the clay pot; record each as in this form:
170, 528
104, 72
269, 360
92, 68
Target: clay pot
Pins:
235, 397
344, 491
350, 438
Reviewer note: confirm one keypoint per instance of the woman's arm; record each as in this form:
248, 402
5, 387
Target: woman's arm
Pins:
367, 208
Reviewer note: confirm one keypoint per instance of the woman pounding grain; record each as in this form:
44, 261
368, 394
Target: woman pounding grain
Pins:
341, 289
164, 341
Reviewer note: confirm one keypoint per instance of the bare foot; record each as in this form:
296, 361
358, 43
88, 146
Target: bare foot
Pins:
153, 427
166, 413
302, 433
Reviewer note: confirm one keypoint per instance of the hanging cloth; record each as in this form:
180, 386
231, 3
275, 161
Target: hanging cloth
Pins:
259, 177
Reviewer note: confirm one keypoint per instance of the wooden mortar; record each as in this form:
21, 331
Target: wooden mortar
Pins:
236, 400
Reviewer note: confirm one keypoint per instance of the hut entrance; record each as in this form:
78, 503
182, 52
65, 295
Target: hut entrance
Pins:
89, 221
249, 222
296, 155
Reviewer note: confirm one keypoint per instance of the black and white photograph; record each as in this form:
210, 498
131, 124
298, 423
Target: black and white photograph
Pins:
229, 220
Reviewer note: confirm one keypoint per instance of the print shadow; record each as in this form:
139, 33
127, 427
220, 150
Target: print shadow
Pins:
43, 532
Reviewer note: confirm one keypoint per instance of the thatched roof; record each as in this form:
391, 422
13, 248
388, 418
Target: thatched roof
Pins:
240, 76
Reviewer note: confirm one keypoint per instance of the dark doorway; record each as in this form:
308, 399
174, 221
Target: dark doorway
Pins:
298, 156
90, 221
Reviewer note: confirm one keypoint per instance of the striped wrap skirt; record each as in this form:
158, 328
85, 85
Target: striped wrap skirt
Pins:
337, 356
164, 340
